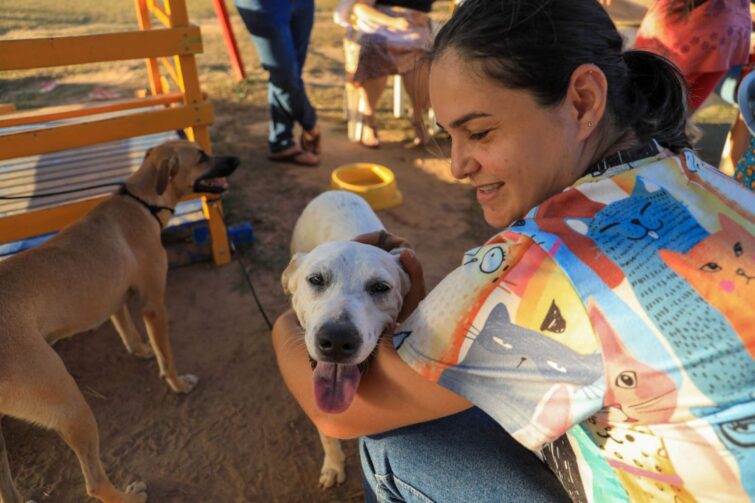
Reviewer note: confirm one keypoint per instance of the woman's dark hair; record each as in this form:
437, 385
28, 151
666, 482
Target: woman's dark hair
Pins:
536, 45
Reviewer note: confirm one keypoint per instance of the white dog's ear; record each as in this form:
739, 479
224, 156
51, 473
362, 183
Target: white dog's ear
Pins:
405, 280
288, 278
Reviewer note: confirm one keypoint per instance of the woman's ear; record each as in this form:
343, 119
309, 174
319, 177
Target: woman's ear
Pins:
587, 95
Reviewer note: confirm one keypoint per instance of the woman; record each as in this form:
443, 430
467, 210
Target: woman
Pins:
393, 37
704, 38
607, 328
280, 31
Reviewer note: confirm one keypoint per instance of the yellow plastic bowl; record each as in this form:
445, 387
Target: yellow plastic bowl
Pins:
375, 183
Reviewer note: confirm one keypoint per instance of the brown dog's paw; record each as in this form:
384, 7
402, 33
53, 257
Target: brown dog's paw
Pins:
136, 492
143, 351
184, 383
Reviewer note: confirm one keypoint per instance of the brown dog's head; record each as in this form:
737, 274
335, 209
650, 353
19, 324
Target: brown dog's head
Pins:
175, 169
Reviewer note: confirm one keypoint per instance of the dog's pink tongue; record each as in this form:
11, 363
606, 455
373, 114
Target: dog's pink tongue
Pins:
335, 385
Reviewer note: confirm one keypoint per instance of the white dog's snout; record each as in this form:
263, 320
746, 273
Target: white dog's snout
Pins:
338, 342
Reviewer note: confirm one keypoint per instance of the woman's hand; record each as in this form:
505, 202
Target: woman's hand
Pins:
409, 262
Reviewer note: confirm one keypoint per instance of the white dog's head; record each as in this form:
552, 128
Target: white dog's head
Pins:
345, 294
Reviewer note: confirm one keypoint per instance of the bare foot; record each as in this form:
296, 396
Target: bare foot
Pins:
369, 133
421, 135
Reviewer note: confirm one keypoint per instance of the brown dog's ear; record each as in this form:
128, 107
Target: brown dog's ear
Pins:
287, 278
165, 173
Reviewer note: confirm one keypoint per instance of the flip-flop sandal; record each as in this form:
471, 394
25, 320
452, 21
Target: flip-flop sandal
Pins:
295, 158
310, 144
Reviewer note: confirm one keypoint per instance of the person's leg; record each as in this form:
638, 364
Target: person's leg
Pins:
370, 91
302, 20
464, 457
416, 83
268, 23
700, 87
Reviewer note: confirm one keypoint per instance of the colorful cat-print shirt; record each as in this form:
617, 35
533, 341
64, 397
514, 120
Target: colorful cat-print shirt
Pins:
613, 330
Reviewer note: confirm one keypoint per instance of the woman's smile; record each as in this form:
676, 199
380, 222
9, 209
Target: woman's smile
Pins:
488, 191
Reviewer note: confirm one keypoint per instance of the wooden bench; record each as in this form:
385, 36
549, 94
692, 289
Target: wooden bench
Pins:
68, 147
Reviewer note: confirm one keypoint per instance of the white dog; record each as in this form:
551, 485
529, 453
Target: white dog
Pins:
345, 295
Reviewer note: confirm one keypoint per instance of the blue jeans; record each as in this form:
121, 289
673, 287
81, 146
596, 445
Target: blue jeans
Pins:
280, 31
461, 458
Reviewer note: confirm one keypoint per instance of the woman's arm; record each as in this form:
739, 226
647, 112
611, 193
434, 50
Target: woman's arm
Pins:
390, 394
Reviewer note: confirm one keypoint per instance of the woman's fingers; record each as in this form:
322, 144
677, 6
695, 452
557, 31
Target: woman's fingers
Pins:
384, 240
416, 293
409, 262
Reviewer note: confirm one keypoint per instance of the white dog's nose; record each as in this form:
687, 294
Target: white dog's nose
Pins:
337, 341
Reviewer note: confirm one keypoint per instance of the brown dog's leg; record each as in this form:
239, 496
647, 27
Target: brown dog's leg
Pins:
8, 492
44, 393
124, 325
156, 320
80, 433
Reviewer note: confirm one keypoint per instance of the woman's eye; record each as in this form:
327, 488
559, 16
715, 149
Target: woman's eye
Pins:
480, 135
316, 280
379, 287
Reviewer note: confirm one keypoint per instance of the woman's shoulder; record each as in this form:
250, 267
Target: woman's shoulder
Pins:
680, 185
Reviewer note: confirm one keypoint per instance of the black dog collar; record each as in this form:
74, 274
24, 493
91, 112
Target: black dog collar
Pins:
152, 208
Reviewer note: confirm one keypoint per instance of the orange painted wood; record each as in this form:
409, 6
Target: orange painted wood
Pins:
79, 134
50, 114
24, 54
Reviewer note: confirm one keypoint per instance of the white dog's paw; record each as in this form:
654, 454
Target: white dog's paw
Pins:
184, 383
137, 492
331, 476
143, 351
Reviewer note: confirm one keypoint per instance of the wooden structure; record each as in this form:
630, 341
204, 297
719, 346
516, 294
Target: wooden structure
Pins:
230, 40
175, 102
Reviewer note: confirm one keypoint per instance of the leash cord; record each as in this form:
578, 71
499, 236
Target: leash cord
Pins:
61, 192
251, 285
235, 252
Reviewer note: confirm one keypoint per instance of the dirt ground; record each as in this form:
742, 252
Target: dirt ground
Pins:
239, 436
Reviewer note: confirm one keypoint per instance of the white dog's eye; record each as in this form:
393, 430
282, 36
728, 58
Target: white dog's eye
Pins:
316, 280
378, 287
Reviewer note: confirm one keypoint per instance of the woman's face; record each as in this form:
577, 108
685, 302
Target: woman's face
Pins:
515, 152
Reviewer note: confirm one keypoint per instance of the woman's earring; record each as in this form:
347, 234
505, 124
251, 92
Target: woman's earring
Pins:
589, 123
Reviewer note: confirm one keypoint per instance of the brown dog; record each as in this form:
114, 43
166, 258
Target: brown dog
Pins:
78, 279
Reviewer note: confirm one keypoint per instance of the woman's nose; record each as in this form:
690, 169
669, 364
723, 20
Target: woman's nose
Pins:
461, 165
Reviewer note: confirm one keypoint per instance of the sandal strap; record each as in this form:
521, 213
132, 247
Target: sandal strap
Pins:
310, 143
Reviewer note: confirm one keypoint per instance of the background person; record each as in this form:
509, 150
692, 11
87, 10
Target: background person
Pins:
393, 37
280, 30
704, 38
